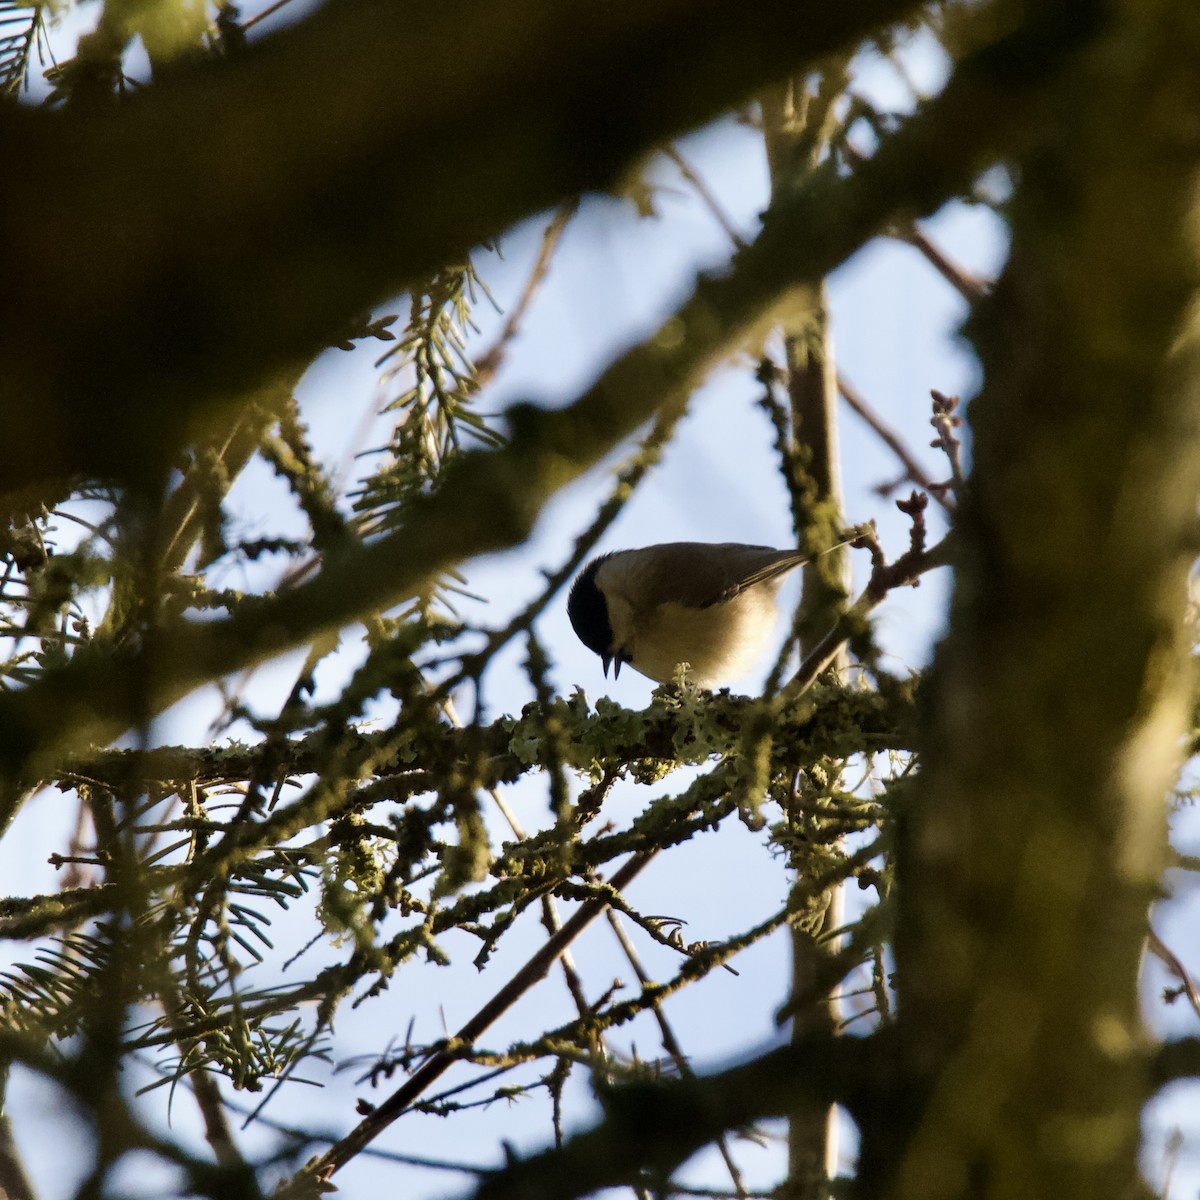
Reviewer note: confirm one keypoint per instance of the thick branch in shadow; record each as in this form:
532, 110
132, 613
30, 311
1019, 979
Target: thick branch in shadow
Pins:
1174, 1061
1057, 705
650, 1129
224, 224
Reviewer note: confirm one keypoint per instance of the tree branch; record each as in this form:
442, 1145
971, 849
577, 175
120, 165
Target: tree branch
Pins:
1058, 702
654, 1127
535, 969
239, 213
1173, 1061
659, 731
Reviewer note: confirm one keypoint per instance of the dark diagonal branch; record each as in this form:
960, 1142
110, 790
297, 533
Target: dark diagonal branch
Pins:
649, 1129
913, 471
1176, 1060
239, 213
535, 969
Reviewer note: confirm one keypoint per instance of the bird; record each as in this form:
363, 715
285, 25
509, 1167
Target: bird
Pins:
712, 605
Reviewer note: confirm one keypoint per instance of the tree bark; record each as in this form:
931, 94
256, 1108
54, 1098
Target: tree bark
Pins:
1057, 703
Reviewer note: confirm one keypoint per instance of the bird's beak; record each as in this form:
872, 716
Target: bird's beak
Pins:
617, 667
606, 659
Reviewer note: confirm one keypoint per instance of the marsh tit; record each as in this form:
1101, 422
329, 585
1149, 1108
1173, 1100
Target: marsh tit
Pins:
712, 605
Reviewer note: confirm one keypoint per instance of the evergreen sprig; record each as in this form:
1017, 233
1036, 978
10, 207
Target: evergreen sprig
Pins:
22, 31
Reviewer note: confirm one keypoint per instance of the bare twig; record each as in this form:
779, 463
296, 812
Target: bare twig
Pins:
1173, 1148
913, 471
489, 362
969, 286
269, 11
461, 1043
671, 1045
706, 195
945, 422
904, 572
1171, 961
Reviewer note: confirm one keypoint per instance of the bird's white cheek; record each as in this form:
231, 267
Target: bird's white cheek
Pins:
621, 619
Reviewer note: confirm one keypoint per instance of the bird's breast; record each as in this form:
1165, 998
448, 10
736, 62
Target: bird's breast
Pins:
721, 642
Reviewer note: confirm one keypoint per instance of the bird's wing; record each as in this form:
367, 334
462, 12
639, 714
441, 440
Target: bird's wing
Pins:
700, 574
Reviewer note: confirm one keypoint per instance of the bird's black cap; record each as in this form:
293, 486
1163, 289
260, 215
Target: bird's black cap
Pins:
589, 612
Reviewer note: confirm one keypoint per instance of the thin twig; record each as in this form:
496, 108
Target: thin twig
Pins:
461, 1043
671, 1043
945, 422
1173, 1147
904, 572
262, 16
705, 193
1171, 961
969, 286
312, 1136
913, 471
489, 362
